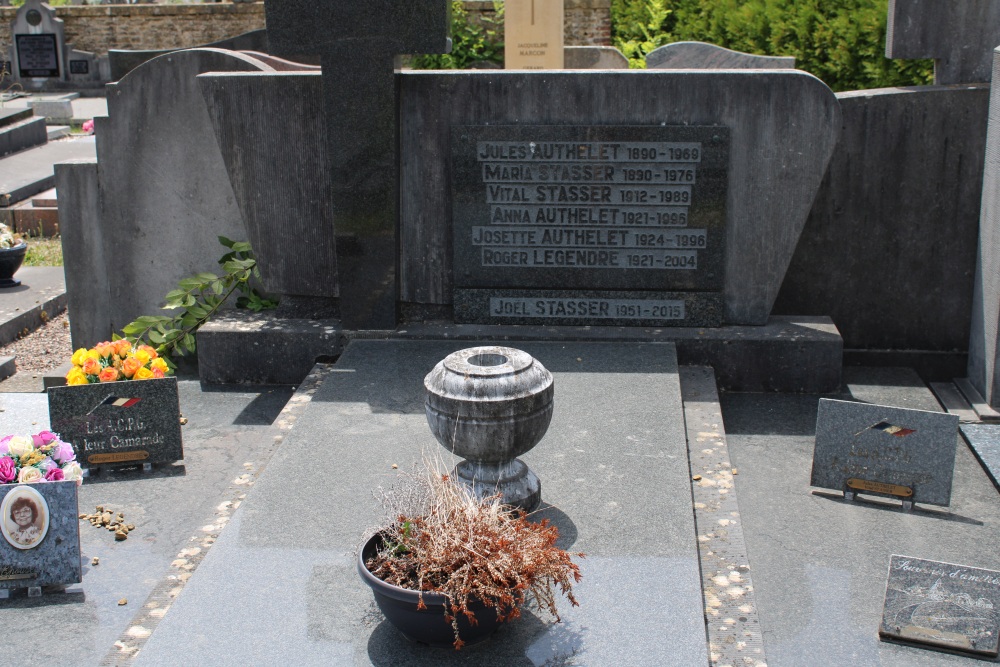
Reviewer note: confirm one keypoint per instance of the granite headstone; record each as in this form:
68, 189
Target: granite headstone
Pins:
119, 423
885, 451
582, 225
942, 605
48, 554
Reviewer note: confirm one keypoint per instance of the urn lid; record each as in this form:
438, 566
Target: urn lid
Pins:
488, 373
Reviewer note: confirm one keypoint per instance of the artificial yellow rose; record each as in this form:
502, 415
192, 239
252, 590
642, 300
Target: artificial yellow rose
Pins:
30, 475
20, 445
79, 356
93, 354
142, 355
159, 363
76, 376
143, 374
151, 351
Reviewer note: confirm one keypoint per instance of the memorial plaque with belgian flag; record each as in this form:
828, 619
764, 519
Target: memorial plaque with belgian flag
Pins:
119, 423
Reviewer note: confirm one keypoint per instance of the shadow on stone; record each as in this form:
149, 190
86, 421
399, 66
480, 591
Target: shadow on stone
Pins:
103, 474
261, 411
871, 502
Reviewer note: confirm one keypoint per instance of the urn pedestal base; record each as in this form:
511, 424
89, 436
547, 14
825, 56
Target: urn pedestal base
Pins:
514, 480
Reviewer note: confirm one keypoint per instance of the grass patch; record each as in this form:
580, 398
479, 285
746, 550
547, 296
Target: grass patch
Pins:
44, 252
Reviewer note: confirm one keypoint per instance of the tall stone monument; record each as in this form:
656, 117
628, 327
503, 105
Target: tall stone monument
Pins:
357, 43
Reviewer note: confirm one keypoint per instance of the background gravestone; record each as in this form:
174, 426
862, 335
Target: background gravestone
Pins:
165, 196
39, 43
699, 55
533, 34
959, 36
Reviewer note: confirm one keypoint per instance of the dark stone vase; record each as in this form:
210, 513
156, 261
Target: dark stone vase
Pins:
10, 262
424, 626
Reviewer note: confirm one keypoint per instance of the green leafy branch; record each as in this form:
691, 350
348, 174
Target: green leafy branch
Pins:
198, 298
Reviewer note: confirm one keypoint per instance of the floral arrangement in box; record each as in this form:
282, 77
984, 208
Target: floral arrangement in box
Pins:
42, 457
7, 238
112, 361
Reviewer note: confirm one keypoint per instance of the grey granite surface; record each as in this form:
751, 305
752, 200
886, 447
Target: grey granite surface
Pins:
818, 562
616, 442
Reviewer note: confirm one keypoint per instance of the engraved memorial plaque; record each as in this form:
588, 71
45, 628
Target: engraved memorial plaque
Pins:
885, 451
119, 423
942, 605
615, 225
37, 56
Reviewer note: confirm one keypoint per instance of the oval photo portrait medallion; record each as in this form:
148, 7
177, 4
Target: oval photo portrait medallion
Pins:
24, 517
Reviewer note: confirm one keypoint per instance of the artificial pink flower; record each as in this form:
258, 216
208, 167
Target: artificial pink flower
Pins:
54, 474
8, 471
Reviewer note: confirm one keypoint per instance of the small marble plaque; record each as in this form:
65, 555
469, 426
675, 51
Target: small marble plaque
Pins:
39, 535
885, 451
942, 605
119, 423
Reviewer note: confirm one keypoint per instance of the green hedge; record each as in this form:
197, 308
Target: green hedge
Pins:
840, 41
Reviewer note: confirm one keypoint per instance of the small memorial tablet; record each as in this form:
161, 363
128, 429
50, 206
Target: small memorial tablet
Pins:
885, 451
119, 423
590, 225
37, 56
942, 605
40, 529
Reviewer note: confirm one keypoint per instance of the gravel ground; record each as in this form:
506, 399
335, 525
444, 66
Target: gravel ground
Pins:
42, 350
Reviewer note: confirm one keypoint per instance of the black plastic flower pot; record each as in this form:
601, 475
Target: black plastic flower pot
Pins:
10, 262
424, 626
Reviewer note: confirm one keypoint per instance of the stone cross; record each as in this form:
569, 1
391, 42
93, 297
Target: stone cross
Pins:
357, 43
959, 36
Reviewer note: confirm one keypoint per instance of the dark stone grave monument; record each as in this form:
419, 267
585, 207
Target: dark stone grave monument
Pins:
884, 451
942, 605
116, 423
40, 53
357, 44
959, 36
582, 225
51, 555
699, 55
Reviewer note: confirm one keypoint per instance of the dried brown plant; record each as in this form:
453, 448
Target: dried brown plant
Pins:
443, 539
